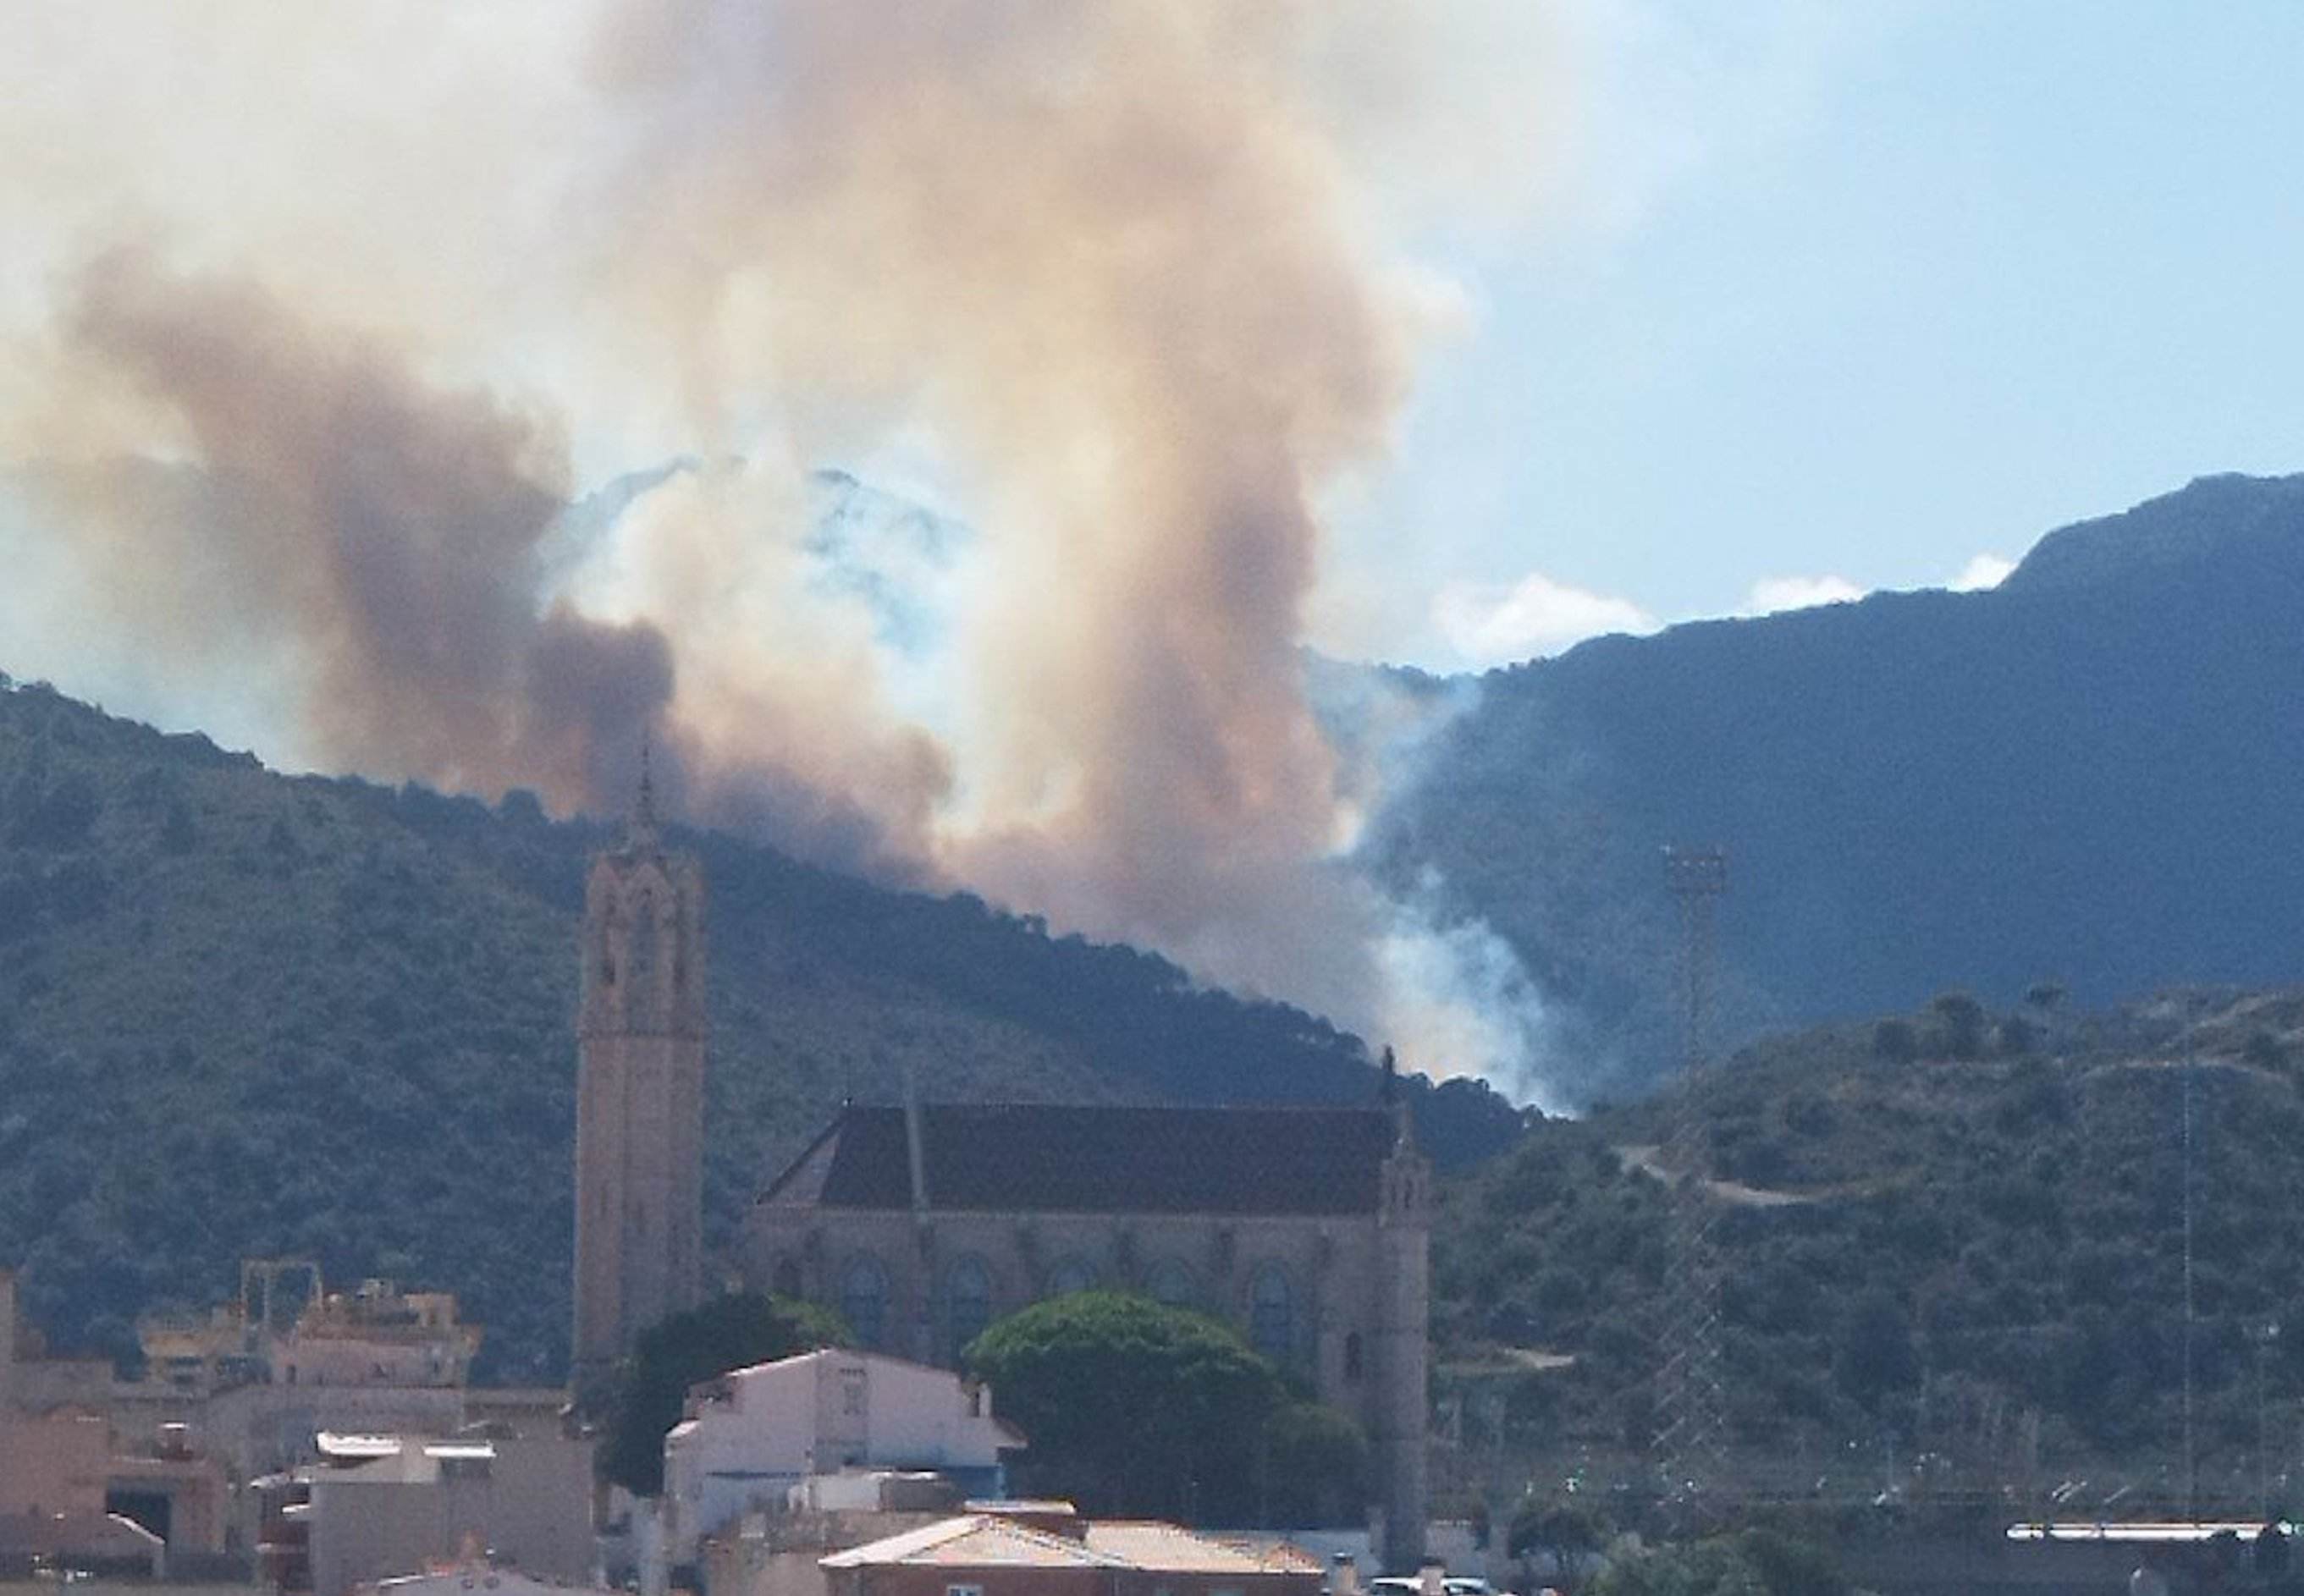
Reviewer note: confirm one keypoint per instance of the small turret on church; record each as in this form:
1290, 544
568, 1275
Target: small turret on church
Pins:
640, 1035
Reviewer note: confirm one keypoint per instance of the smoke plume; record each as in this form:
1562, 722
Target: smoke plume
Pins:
1119, 271
1107, 255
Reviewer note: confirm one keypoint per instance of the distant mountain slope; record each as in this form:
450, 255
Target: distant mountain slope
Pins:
246, 1014
2089, 776
1951, 1252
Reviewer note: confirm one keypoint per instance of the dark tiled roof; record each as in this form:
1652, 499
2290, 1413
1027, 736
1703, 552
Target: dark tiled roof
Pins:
1052, 1159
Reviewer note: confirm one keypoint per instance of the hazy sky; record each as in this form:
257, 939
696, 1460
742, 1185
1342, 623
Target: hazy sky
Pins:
1801, 296
1443, 331
1859, 291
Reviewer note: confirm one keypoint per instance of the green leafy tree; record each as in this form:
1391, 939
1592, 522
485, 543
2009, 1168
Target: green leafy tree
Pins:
1570, 1533
1874, 1354
1314, 1467
1896, 1040
1134, 1407
1705, 1568
1755, 1563
643, 1399
1962, 1024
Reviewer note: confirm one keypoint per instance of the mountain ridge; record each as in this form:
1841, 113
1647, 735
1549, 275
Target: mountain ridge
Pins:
2077, 778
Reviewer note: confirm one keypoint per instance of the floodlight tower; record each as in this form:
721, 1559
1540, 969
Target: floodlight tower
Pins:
1690, 1419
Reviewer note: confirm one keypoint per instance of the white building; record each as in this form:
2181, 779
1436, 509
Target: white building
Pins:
753, 1434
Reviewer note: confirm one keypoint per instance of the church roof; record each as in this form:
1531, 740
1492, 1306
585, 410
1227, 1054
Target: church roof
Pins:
1065, 1158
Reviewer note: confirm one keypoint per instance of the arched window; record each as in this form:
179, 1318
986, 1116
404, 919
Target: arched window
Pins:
968, 1303
1169, 1282
1069, 1275
1271, 1318
864, 1299
786, 1282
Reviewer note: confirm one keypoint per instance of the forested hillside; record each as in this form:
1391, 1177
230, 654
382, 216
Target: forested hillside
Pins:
243, 1014
2087, 776
1951, 1241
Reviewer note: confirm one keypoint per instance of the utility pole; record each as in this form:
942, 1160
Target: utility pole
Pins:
1688, 1402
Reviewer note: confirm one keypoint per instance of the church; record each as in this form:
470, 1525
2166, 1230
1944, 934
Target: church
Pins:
1308, 1228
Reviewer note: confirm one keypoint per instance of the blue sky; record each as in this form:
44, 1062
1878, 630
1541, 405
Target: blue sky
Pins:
1861, 292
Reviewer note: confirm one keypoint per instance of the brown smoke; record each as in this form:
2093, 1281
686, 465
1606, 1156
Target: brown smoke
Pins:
1116, 261
385, 532
1105, 252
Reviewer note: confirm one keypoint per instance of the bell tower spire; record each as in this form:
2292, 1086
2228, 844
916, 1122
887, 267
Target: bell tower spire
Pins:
640, 1044
643, 822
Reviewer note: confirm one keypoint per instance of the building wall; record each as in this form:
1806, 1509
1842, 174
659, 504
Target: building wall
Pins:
259, 1430
1358, 1288
54, 1463
194, 1488
641, 1046
901, 1581
366, 1530
1399, 1404
1330, 1267
540, 1514
531, 1509
355, 1360
779, 1554
41, 1383
816, 1415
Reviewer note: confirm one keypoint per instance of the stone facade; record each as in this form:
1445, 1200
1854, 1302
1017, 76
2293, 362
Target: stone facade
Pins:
639, 1117
1307, 1228
1323, 1266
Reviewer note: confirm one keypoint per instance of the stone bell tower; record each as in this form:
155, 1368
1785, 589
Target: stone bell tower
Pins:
640, 1093
1402, 1334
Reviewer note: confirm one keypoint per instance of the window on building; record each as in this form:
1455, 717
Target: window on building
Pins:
1171, 1282
864, 1299
1070, 1275
1352, 1355
853, 1394
1271, 1318
963, 1590
968, 1303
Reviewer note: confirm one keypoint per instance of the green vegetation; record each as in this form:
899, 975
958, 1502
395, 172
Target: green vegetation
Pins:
2082, 776
1754, 1563
1934, 1271
243, 1014
643, 1399
1137, 1409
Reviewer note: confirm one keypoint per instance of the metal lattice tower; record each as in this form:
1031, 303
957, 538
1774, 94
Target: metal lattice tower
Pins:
1690, 1409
